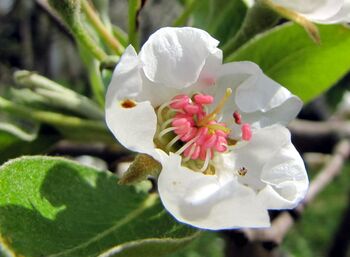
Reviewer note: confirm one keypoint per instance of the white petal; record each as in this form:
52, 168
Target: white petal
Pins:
275, 168
231, 75
211, 67
259, 99
286, 179
176, 56
156, 93
342, 16
133, 127
316, 10
207, 202
262, 93
126, 80
254, 154
269, 101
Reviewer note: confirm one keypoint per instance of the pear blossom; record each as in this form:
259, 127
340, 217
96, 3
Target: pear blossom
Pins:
319, 11
217, 129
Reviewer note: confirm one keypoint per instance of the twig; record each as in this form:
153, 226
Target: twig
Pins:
312, 136
323, 128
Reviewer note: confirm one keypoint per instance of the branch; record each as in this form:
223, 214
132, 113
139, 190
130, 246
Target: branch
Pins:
312, 136
321, 128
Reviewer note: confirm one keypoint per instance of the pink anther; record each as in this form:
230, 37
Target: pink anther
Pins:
238, 118
202, 135
192, 108
203, 99
191, 133
186, 116
192, 151
179, 101
246, 132
221, 133
210, 141
221, 144
202, 139
196, 153
180, 122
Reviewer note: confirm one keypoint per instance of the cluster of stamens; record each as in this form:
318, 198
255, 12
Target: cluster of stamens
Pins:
199, 133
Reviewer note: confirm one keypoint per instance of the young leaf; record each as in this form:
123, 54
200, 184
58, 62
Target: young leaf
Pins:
54, 207
24, 129
287, 55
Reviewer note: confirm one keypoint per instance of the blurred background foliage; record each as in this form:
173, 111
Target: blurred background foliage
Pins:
32, 39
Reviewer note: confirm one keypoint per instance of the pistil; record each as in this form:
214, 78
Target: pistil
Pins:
211, 116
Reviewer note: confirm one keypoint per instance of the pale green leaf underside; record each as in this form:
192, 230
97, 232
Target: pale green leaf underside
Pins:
290, 57
26, 130
54, 207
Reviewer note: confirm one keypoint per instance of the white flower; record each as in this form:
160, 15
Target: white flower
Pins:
217, 129
319, 11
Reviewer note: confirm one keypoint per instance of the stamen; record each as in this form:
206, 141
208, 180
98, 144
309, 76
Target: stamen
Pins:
164, 131
211, 116
219, 127
246, 132
203, 99
206, 162
160, 110
183, 148
189, 155
173, 141
166, 123
238, 118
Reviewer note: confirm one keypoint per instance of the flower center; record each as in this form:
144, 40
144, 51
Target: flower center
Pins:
186, 127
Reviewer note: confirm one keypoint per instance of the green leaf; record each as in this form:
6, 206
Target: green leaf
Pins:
287, 55
24, 129
220, 18
208, 244
55, 207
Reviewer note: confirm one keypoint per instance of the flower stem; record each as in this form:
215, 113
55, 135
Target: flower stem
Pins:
85, 40
134, 8
258, 19
182, 19
120, 35
69, 12
96, 82
93, 17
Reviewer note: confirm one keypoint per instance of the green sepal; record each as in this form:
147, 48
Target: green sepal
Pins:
142, 167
